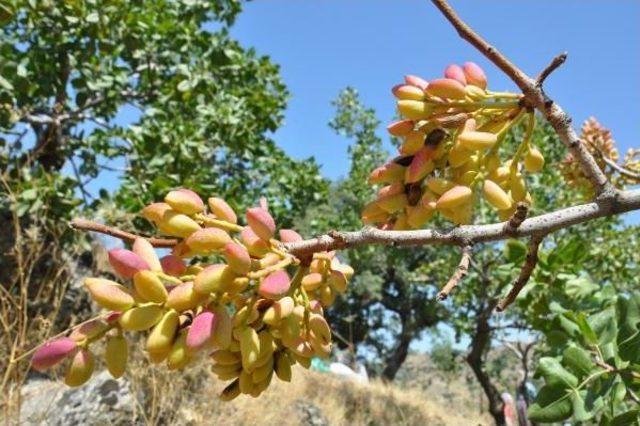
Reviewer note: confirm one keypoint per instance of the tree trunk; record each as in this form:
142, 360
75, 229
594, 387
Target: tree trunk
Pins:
481, 340
397, 357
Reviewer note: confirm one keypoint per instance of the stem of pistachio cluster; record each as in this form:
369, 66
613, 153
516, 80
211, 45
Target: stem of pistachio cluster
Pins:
169, 278
275, 247
503, 132
297, 279
479, 104
506, 95
307, 305
525, 142
218, 223
266, 271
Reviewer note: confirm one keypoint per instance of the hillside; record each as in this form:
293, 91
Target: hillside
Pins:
150, 395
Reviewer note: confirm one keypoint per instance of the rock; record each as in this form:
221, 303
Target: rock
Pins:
310, 415
102, 400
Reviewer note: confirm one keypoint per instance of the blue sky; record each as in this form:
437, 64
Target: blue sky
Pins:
324, 46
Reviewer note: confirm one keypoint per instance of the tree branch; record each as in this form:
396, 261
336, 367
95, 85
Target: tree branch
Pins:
610, 205
544, 224
625, 172
461, 272
555, 63
525, 273
87, 225
534, 96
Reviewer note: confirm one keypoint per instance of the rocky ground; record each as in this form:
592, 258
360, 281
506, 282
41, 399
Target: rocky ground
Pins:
312, 399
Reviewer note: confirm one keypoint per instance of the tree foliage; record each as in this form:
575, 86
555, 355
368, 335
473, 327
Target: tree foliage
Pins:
156, 90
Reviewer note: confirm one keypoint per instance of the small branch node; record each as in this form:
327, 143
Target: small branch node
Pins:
522, 209
338, 236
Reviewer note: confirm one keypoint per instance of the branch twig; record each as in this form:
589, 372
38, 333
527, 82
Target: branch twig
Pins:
620, 169
87, 225
555, 63
461, 271
525, 273
534, 96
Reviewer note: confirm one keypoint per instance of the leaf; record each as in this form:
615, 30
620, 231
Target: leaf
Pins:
552, 404
580, 287
93, 17
514, 250
568, 324
29, 194
604, 325
21, 70
578, 360
619, 391
610, 353
555, 374
586, 330
5, 14
580, 412
629, 334
5, 83
626, 419
184, 85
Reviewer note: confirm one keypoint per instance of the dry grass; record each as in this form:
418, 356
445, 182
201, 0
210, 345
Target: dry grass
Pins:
35, 302
191, 398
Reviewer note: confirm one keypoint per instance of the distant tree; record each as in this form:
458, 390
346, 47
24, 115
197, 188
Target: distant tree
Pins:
388, 306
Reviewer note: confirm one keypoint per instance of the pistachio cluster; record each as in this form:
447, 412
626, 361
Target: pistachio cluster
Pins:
600, 143
244, 311
451, 132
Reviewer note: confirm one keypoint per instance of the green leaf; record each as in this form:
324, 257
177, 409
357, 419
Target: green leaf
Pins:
4, 83
555, 374
29, 194
619, 391
568, 324
586, 330
515, 250
580, 287
184, 85
580, 412
604, 325
93, 17
629, 334
552, 404
626, 419
578, 360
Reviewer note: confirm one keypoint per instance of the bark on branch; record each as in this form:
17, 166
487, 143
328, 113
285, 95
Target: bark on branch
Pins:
610, 205
613, 204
